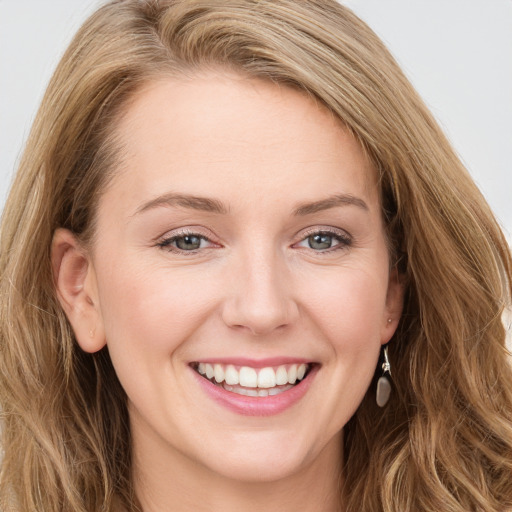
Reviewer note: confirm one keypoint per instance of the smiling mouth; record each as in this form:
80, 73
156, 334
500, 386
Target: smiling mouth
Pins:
254, 382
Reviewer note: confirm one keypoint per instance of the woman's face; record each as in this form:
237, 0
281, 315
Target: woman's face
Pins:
241, 237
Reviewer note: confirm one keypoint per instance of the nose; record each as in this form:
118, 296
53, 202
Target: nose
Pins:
260, 296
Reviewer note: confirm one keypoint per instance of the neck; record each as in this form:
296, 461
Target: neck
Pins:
173, 482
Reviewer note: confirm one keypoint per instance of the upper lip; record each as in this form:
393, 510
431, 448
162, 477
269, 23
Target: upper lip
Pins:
254, 363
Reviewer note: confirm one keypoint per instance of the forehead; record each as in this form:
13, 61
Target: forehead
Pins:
215, 128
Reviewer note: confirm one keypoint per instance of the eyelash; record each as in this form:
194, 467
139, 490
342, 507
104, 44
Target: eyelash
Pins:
166, 242
342, 237
344, 241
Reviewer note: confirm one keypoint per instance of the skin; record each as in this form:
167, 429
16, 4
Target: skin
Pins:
255, 288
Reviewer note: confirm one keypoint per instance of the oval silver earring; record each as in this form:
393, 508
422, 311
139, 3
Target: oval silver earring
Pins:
383, 384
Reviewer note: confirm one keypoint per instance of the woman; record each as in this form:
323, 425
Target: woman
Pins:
232, 223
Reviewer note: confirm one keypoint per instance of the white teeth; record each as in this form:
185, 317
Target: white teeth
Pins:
266, 378
248, 377
231, 375
263, 379
292, 374
257, 392
218, 373
281, 376
301, 371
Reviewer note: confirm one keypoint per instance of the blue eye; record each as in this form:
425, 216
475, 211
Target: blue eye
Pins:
322, 241
186, 242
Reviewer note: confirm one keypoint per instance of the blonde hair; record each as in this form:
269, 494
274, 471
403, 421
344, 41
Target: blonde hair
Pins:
444, 442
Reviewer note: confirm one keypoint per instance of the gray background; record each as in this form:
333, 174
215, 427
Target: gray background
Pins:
458, 53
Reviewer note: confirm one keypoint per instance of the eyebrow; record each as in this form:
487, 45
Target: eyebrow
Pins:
210, 205
330, 202
203, 204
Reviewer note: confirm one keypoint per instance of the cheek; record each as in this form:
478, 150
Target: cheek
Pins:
345, 311
152, 306
348, 305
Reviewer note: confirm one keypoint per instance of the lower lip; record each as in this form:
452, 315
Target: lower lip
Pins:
257, 406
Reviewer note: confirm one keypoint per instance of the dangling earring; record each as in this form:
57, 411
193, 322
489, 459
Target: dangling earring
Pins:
383, 384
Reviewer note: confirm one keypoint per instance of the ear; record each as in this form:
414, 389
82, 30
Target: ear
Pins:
75, 283
394, 306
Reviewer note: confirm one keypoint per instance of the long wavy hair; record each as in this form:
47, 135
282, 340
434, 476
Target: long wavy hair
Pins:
443, 442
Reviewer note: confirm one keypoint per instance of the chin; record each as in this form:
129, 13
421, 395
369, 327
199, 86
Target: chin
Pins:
261, 469
265, 456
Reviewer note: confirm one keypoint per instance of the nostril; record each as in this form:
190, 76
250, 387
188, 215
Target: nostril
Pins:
261, 306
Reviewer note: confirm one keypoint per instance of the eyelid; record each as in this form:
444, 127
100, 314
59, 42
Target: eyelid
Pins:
328, 230
169, 237
165, 241
323, 229
343, 236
